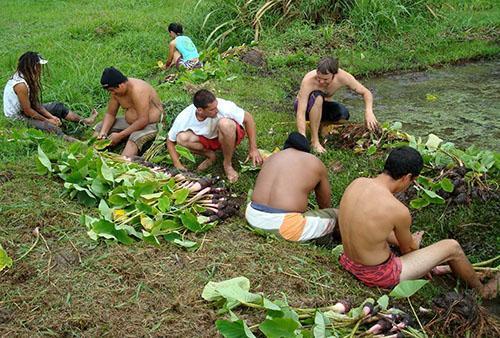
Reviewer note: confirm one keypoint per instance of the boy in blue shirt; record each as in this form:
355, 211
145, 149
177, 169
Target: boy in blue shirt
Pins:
182, 51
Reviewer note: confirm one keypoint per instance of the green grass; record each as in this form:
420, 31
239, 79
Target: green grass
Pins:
70, 285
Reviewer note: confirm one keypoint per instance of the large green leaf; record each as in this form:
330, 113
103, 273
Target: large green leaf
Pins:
43, 163
106, 172
106, 229
185, 153
433, 142
106, 212
320, 323
236, 329
407, 288
383, 302
447, 184
180, 195
419, 203
211, 293
5, 260
191, 222
164, 204
279, 328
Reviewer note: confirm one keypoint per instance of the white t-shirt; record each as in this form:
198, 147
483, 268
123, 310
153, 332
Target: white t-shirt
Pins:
11, 105
187, 120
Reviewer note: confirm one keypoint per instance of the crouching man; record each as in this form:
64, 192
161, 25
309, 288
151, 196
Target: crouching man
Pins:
371, 218
142, 109
279, 200
210, 124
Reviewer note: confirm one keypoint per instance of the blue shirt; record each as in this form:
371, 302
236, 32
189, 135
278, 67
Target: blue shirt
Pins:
186, 48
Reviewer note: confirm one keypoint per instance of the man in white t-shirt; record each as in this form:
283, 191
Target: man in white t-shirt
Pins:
210, 124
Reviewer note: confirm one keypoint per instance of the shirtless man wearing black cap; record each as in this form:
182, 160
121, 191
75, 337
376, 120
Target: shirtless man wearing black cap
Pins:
143, 110
279, 200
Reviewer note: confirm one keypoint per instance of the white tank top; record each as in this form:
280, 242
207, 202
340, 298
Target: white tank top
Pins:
11, 104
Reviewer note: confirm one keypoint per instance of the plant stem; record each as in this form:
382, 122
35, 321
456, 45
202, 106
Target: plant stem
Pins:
487, 262
416, 317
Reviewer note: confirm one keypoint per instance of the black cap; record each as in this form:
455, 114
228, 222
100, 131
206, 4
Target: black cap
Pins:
112, 77
297, 141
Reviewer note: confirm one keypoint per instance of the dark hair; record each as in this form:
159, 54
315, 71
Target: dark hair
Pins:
176, 28
403, 161
328, 65
297, 141
112, 78
202, 98
29, 68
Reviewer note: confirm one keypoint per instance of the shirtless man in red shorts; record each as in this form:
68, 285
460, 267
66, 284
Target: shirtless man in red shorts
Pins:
371, 218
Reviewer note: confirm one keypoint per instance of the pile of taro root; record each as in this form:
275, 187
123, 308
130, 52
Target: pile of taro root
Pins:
210, 192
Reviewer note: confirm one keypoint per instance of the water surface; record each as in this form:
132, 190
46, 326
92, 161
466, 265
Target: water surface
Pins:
458, 103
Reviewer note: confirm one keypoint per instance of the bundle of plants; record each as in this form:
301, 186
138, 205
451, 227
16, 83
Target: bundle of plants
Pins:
450, 174
138, 201
371, 318
459, 315
357, 137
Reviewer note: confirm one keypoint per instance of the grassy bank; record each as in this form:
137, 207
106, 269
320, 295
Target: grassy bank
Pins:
70, 285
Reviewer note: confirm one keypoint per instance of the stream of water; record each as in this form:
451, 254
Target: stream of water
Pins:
460, 103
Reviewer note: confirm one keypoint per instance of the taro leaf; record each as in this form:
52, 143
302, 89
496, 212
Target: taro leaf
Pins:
43, 162
396, 126
407, 288
236, 329
419, 203
168, 225
87, 221
106, 229
189, 245
106, 212
268, 304
152, 196
145, 208
102, 144
433, 197
371, 150
105, 171
144, 188
164, 204
118, 199
447, 184
130, 230
236, 293
180, 195
383, 302
150, 238
5, 260
433, 142
320, 323
279, 328
85, 197
146, 222
191, 222
185, 153
210, 291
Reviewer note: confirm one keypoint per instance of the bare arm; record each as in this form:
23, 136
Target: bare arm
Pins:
302, 98
253, 152
322, 190
171, 51
109, 117
356, 86
402, 232
21, 91
174, 155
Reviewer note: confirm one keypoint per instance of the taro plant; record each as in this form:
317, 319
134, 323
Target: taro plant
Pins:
5, 260
134, 201
283, 320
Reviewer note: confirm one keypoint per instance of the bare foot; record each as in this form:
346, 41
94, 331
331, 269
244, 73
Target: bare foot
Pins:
318, 148
490, 290
207, 163
91, 119
417, 237
441, 270
232, 175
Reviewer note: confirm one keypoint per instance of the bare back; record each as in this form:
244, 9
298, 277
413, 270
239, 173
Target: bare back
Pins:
140, 94
287, 178
368, 214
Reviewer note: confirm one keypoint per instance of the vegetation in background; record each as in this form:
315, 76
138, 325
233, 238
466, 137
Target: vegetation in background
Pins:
68, 284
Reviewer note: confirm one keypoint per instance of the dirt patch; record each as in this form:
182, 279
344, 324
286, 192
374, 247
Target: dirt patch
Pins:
254, 57
6, 176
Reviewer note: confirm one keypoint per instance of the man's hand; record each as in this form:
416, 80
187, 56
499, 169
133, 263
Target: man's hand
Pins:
254, 154
55, 121
115, 138
371, 122
102, 136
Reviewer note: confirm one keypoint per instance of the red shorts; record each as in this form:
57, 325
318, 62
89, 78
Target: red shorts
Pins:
214, 144
385, 275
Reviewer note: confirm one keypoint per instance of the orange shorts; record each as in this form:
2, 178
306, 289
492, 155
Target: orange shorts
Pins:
214, 144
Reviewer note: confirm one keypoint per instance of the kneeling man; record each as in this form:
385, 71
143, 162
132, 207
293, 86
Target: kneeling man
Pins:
315, 99
143, 110
210, 124
371, 218
279, 200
